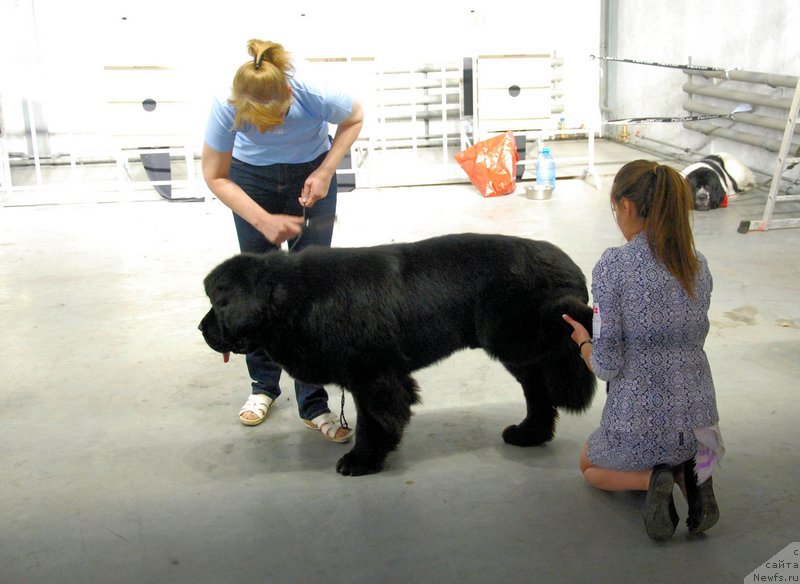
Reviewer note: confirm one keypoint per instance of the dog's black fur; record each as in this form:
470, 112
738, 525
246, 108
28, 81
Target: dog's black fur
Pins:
366, 318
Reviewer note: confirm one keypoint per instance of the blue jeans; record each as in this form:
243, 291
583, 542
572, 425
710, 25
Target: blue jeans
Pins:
277, 188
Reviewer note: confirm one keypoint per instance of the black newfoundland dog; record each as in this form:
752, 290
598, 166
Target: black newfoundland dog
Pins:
366, 318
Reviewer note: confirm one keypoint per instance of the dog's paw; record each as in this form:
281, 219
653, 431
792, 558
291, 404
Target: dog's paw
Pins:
354, 464
520, 436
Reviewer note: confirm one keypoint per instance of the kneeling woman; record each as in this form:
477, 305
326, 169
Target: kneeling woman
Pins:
651, 298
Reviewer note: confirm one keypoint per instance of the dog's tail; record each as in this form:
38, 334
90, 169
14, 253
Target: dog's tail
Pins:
570, 383
524, 328
553, 310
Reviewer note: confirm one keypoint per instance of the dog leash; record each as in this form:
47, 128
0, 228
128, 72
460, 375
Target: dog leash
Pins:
305, 226
342, 419
315, 222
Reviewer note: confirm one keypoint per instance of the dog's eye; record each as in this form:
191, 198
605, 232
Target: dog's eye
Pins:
222, 303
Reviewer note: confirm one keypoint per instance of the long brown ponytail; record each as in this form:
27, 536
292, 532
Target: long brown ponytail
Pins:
663, 198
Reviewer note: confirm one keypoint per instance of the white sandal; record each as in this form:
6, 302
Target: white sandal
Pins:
258, 404
329, 425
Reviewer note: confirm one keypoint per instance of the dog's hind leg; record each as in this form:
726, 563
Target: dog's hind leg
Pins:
509, 328
539, 425
383, 409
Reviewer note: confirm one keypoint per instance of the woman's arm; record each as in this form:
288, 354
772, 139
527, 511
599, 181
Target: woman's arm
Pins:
216, 170
317, 183
605, 360
608, 279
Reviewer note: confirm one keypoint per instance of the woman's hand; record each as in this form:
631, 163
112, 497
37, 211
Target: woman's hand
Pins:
579, 332
318, 182
580, 335
216, 171
279, 228
316, 187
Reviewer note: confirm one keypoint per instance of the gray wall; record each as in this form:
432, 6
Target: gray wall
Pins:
731, 34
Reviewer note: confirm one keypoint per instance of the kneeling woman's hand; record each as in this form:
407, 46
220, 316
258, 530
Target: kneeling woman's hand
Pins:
579, 332
581, 337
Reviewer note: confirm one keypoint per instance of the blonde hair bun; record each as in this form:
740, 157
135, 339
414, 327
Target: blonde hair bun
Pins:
270, 52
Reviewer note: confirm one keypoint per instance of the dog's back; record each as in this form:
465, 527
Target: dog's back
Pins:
412, 304
466, 261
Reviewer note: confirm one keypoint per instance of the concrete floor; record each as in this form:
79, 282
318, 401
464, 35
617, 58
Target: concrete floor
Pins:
121, 458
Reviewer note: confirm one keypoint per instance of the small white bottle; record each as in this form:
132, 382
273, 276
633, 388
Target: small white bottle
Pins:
546, 168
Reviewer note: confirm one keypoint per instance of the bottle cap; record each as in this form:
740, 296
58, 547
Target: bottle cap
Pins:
546, 150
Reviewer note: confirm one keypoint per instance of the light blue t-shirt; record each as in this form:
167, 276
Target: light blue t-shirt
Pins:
302, 136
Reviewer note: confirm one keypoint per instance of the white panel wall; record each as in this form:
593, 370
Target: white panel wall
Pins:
54, 52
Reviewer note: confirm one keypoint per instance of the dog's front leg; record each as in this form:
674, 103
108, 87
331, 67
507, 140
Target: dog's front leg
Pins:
383, 410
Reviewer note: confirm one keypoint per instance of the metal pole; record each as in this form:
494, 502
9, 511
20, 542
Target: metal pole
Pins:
443, 89
750, 77
709, 90
34, 143
769, 144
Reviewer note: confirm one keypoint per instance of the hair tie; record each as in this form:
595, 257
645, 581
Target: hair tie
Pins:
257, 60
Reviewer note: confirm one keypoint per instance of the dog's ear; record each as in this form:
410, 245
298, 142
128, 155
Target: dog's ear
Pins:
239, 315
716, 194
238, 296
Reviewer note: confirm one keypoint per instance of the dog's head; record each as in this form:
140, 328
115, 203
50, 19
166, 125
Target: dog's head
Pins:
703, 178
240, 293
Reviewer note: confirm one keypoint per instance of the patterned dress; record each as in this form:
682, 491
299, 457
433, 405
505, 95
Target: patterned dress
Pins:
648, 345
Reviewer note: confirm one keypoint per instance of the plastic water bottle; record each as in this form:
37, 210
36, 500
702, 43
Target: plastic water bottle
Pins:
702, 199
546, 168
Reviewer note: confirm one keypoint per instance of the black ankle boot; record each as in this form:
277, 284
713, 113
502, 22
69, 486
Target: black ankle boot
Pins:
660, 516
703, 510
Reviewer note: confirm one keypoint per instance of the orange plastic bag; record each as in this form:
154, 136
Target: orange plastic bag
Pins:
491, 165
